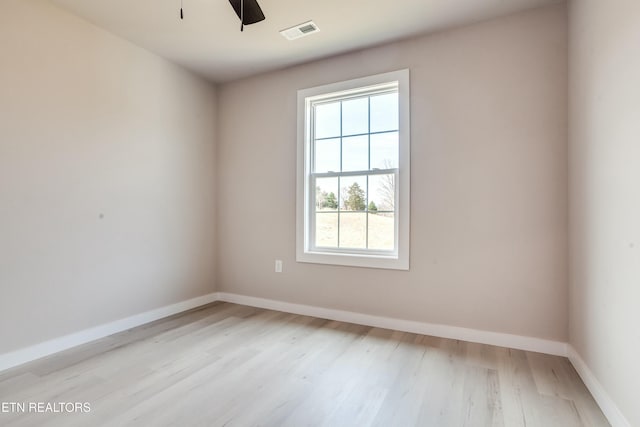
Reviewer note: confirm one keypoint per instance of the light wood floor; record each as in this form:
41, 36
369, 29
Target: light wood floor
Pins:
231, 365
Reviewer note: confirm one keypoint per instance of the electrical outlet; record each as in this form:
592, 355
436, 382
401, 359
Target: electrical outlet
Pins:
278, 266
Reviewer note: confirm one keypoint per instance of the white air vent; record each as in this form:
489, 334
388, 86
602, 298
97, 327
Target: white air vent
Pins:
300, 30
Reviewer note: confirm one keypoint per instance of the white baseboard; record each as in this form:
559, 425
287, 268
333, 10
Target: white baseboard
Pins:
608, 406
24, 355
539, 345
19, 357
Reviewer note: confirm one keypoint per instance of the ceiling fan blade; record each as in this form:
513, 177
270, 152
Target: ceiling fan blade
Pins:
252, 11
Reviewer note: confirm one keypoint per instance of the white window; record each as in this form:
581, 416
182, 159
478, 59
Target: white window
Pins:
353, 172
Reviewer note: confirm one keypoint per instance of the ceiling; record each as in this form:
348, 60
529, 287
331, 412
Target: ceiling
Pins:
209, 42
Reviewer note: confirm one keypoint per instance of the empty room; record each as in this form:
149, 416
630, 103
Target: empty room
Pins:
320, 213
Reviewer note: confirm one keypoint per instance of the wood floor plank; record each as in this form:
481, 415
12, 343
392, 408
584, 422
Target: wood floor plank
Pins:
442, 404
231, 365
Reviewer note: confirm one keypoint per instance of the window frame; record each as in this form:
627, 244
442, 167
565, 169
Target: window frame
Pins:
305, 219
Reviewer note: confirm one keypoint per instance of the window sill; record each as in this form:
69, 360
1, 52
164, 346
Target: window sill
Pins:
354, 260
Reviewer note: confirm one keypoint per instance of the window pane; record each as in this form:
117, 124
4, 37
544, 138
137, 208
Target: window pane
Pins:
327, 194
384, 150
327, 120
353, 230
355, 116
382, 192
327, 155
355, 153
384, 112
353, 193
381, 231
327, 230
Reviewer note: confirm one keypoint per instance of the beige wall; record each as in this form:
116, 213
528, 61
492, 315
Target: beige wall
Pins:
489, 192
605, 195
91, 125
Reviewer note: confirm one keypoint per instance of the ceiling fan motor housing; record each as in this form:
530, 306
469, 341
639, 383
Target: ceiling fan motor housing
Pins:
249, 13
